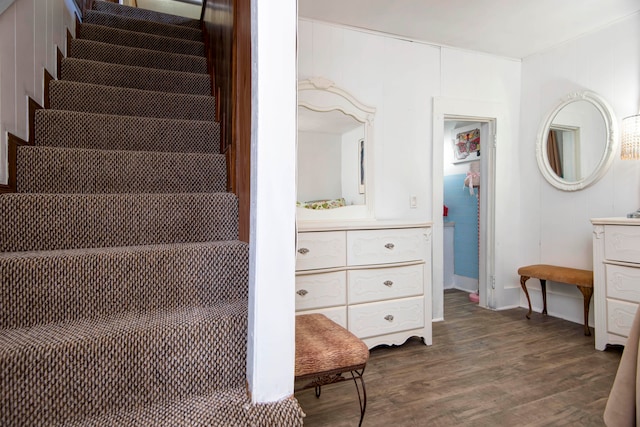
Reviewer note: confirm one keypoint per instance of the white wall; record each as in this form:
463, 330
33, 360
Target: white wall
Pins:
397, 78
271, 340
400, 79
555, 224
493, 83
534, 221
30, 31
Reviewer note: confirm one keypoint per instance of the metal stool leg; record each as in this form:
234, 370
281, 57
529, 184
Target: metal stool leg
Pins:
362, 399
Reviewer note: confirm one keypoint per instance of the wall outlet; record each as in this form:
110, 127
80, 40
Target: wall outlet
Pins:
413, 202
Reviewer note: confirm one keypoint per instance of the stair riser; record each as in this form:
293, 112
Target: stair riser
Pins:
141, 26
232, 407
88, 98
63, 287
140, 40
99, 73
106, 52
61, 170
113, 132
50, 221
148, 15
66, 379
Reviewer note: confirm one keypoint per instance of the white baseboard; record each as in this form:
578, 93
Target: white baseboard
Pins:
467, 284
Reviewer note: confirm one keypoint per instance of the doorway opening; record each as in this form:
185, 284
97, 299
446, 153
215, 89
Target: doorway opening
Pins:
469, 163
462, 169
453, 117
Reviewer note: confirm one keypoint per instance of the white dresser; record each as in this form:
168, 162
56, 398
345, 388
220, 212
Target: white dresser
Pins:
372, 278
616, 274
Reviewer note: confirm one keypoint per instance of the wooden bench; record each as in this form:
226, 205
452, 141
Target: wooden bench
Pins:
324, 351
583, 279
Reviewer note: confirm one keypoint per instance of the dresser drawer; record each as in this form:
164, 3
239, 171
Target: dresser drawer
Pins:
385, 283
620, 316
379, 318
337, 314
321, 250
321, 290
622, 243
623, 282
365, 247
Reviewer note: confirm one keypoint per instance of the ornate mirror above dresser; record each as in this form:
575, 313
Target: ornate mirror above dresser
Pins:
335, 153
577, 141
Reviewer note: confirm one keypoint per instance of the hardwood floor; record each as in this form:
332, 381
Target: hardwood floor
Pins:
485, 368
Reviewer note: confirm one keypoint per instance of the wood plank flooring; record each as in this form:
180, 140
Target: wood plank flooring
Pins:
485, 368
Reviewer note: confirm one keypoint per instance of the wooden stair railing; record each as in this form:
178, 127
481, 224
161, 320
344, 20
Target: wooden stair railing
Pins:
227, 26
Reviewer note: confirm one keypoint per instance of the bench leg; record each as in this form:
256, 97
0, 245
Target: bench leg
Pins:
543, 285
331, 379
587, 293
362, 399
523, 283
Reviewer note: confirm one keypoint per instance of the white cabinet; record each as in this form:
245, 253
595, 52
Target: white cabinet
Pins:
616, 274
374, 279
379, 284
321, 250
321, 290
366, 247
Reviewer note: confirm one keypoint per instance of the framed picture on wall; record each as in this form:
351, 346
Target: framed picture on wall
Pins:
466, 144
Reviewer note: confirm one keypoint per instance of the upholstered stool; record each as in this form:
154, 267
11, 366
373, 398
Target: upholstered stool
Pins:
583, 279
324, 351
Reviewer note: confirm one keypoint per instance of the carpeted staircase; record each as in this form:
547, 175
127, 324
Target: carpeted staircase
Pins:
124, 288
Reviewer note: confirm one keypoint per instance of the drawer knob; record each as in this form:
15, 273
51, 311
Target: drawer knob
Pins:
303, 251
388, 318
389, 246
388, 283
302, 292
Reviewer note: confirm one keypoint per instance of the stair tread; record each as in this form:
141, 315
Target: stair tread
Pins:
131, 322
215, 409
94, 282
92, 98
141, 26
120, 37
73, 170
62, 221
125, 55
122, 361
76, 129
53, 334
112, 250
102, 73
148, 15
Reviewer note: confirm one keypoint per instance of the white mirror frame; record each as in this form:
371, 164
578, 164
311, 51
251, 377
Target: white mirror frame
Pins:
601, 168
320, 94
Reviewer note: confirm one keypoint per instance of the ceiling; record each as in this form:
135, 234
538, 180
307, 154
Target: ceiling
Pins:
510, 28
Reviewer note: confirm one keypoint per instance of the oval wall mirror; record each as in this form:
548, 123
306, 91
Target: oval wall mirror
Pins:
335, 148
577, 141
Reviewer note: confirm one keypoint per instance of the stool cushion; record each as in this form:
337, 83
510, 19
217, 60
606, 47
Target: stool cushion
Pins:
572, 276
323, 347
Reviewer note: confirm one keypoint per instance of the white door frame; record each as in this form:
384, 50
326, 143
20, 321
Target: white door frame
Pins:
478, 111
